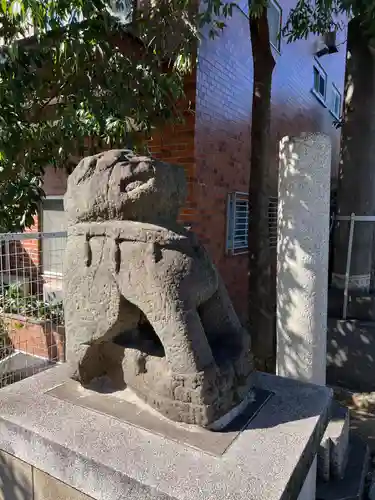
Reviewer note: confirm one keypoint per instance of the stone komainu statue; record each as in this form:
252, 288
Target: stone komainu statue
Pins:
144, 304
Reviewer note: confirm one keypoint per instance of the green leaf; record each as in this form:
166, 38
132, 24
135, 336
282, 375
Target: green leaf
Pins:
77, 87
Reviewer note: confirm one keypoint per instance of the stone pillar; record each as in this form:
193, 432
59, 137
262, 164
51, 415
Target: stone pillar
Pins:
302, 263
356, 185
302, 256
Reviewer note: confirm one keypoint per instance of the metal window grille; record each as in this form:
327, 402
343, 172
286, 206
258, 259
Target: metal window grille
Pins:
32, 336
237, 223
272, 221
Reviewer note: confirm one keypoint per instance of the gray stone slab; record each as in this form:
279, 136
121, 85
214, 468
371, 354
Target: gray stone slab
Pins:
351, 487
323, 462
215, 443
46, 487
107, 459
16, 481
339, 435
333, 450
20, 365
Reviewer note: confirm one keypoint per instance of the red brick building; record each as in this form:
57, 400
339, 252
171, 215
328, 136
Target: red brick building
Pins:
214, 143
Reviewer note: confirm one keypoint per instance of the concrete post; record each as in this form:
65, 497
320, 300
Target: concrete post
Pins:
302, 263
302, 256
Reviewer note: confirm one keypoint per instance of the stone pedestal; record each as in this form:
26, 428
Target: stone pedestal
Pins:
302, 260
54, 447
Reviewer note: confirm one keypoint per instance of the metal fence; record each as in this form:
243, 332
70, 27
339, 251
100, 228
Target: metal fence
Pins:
32, 336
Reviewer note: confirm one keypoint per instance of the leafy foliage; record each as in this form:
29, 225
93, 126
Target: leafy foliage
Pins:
89, 79
13, 301
5, 342
322, 16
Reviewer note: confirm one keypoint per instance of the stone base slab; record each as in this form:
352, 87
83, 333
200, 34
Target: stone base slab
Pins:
21, 481
351, 486
122, 406
107, 459
334, 448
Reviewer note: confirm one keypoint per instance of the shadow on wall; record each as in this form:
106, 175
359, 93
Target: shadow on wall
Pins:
15, 478
303, 224
351, 354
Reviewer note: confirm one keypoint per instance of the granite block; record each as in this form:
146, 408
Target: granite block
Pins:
324, 459
351, 486
333, 450
47, 487
108, 459
339, 435
122, 407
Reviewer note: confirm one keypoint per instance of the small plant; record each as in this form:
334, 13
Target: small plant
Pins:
5, 342
14, 301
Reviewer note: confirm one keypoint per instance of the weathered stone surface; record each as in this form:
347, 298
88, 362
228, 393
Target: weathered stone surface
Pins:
47, 487
323, 461
108, 459
302, 256
144, 303
339, 435
302, 263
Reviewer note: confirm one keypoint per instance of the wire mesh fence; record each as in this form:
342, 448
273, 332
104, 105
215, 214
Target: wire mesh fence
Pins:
32, 335
350, 281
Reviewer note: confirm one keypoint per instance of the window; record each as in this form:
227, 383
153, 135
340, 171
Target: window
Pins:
53, 221
237, 223
274, 15
320, 83
335, 102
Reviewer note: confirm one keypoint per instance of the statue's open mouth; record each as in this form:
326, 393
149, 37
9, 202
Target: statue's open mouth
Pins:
135, 176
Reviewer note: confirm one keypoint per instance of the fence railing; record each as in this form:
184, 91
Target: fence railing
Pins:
32, 335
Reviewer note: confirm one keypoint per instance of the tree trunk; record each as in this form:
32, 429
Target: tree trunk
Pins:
262, 286
356, 188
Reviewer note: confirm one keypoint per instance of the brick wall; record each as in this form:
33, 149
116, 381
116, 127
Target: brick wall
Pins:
223, 114
175, 144
223, 120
